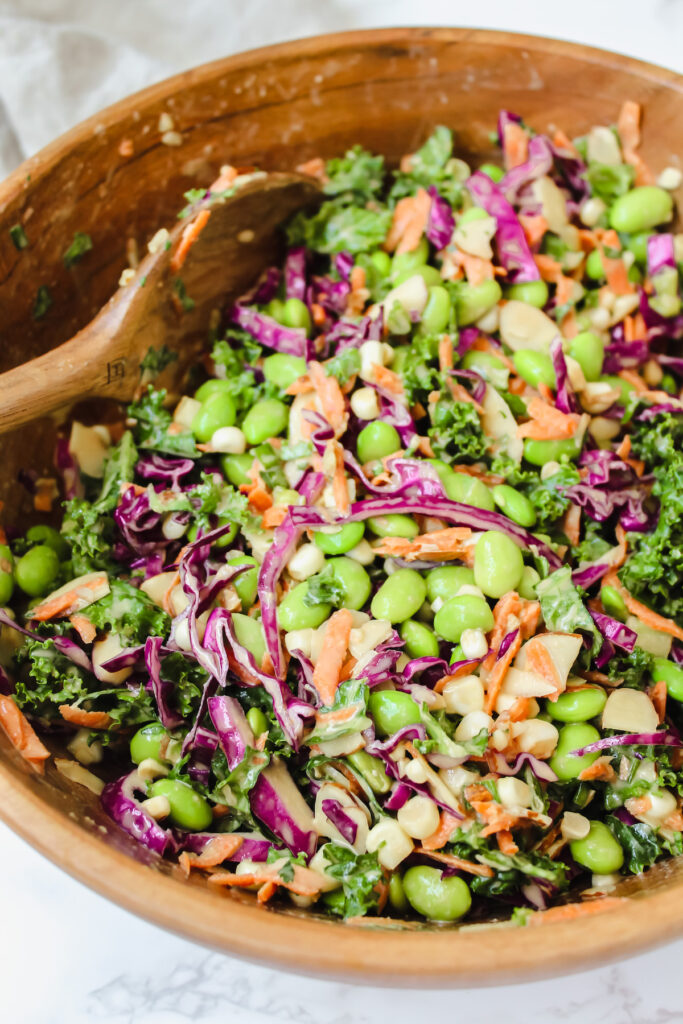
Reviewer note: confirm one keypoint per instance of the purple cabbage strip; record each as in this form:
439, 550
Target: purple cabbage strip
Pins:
625, 355
506, 117
234, 732
506, 643
479, 389
399, 795
6, 684
266, 330
64, 645
660, 253
614, 631
343, 264
513, 251
658, 410
331, 295
645, 739
164, 469
351, 334
254, 846
67, 467
590, 574
565, 399
539, 164
677, 652
344, 824
120, 803
295, 273
265, 287
466, 339
540, 769
440, 222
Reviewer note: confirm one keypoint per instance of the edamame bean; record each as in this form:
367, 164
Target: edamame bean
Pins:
623, 386
594, 266
641, 208
538, 453
391, 710
236, 468
461, 613
258, 721
430, 276
599, 851
216, 411
668, 383
400, 596
419, 640
377, 440
211, 387
188, 809
671, 674
372, 770
403, 261
397, 897
527, 586
534, 293
434, 895
394, 524
276, 309
401, 353
637, 244
443, 470
341, 541
470, 491
268, 418
577, 705
492, 171
534, 367
146, 742
589, 351
293, 613
498, 564
246, 583
474, 213
282, 369
474, 301
354, 580
249, 633
613, 603
382, 261
36, 570
43, 534
564, 763
514, 505
436, 315
483, 363
6, 577
295, 314
446, 581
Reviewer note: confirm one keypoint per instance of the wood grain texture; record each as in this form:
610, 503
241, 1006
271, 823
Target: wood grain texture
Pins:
274, 108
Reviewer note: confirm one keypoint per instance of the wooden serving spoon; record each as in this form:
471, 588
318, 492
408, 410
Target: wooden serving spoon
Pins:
167, 302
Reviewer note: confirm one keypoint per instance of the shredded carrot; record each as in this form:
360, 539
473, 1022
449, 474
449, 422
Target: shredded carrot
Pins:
547, 423
540, 662
628, 126
600, 769
495, 678
572, 911
257, 493
315, 168
447, 825
617, 275
506, 843
188, 238
331, 398
641, 611
304, 881
515, 145
45, 493
572, 524
409, 222
463, 670
461, 394
658, 695
318, 314
388, 379
453, 542
328, 668
70, 600
477, 269
273, 516
445, 353
534, 228
85, 719
624, 449
459, 863
519, 711
301, 386
20, 733
562, 141
339, 485
214, 853
224, 179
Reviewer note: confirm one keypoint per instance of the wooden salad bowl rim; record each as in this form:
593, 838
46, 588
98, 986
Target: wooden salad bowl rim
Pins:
40, 809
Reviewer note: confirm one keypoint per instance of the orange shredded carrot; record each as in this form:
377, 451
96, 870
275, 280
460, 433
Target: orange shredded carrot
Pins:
616, 275
85, 719
562, 141
20, 733
600, 769
83, 627
459, 863
331, 398
461, 394
273, 516
327, 670
314, 168
453, 542
624, 449
508, 605
540, 662
339, 485
447, 825
658, 695
463, 670
301, 386
529, 615
477, 269
214, 853
304, 881
445, 353
548, 268
515, 145
641, 611
534, 228
257, 493
547, 423
188, 238
628, 126
572, 911
67, 602
359, 294
572, 524
506, 843
519, 711
224, 179
495, 678
388, 379
409, 222
318, 314
45, 493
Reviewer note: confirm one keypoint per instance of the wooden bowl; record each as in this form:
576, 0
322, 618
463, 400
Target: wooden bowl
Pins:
117, 178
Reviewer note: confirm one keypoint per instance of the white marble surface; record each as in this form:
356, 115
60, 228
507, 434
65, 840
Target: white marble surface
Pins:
65, 953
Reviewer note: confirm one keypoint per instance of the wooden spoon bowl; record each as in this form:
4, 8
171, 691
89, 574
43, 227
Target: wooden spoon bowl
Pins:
119, 177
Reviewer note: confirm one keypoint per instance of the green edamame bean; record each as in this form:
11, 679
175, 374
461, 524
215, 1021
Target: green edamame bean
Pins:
534, 367
211, 387
43, 534
671, 674
494, 172
400, 596
527, 586
382, 262
474, 213
483, 363
474, 301
292, 613
564, 763
341, 540
188, 809
377, 440
258, 721
372, 770
443, 470
435, 896
540, 452
403, 261
397, 896
354, 580
394, 524
36, 570
461, 613
498, 564
436, 315
637, 244
599, 851
446, 581
419, 640
268, 418
247, 582
236, 468
668, 383
283, 370
577, 705
296, 314
534, 293
470, 491
222, 542
643, 207
401, 353
391, 710
146, 742
514, 505
249, 633
589, 351
276, 309
6, 577
216, 411
594, 266
624, 387
430, 275
613, 603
